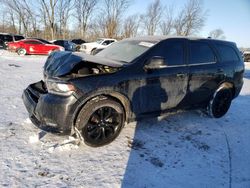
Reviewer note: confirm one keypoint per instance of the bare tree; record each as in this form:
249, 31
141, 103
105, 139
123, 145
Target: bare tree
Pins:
18, 7
166, 25
49, 9
84, 10
111, 13
191, 19
64, 7
31, 16
217, 34
151, 19
131, 25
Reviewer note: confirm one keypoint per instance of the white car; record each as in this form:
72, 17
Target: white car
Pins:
246, 56
89, 48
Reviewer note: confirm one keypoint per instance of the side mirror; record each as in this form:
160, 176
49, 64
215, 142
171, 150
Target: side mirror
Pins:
155, 63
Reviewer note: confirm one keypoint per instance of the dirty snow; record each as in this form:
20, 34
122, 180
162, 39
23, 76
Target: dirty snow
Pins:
186, 149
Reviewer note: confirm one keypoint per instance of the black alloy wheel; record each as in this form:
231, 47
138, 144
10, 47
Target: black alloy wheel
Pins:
221, 102
100, 122
103, 124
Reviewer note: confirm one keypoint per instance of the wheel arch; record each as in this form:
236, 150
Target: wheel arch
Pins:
227, 84
116, 96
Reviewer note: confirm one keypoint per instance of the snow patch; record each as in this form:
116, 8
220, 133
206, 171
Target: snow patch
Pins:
28, 121
185, 149
66, 145
34, 139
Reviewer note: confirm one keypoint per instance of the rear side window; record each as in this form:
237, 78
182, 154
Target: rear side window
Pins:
227, 53
201, 53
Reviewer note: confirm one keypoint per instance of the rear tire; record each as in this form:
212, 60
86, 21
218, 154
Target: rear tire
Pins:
220, 103
100, 121
21, 52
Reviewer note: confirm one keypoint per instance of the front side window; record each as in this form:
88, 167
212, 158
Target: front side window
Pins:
32, 42
174, 53
8, 38
171, 50
201, 53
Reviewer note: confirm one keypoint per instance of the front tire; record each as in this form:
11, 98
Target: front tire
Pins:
92, 51
220, 103
100, 121
21, 52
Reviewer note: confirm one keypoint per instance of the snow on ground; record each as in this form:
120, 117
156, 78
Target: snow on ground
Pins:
187, 149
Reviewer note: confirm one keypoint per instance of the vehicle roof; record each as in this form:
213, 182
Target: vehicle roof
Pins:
106, 38
10, 34
164, 37
6, 34
60, 40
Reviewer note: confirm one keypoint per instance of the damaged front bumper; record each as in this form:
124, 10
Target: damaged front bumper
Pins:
48, 111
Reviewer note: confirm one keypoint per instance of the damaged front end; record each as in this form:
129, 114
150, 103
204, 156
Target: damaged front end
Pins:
51, 103
71, 65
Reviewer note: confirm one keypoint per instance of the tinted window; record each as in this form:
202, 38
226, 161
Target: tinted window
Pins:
18, 37
174, 53
200, 52
171, 50
227, 53
32, 42
59, 42
44, 41
8, 38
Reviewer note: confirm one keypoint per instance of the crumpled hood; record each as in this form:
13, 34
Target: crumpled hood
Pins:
62, 63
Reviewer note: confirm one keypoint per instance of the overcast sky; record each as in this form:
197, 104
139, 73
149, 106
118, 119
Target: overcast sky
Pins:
232, 16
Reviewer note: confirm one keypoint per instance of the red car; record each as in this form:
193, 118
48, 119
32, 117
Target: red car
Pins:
32, 46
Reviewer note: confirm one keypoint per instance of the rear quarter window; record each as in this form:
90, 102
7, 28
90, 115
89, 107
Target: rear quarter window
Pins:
227, 53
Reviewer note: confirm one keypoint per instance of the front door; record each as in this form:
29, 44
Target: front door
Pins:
165, 87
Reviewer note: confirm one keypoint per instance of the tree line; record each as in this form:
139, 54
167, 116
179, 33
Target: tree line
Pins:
89, 19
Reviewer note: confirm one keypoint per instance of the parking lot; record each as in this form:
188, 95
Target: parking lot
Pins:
184, 149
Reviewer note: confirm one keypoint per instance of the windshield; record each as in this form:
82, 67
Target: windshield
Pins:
45, 41
125, 51
99, 41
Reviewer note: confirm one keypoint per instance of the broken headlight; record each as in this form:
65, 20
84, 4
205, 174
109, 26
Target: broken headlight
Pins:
60, 88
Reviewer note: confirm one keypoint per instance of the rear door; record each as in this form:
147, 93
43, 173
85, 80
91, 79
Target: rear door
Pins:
205, 72
166, 87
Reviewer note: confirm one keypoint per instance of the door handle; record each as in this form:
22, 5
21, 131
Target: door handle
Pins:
180, 74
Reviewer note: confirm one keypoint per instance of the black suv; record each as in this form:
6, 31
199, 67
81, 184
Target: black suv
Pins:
93, 96
5, 38
68, 45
